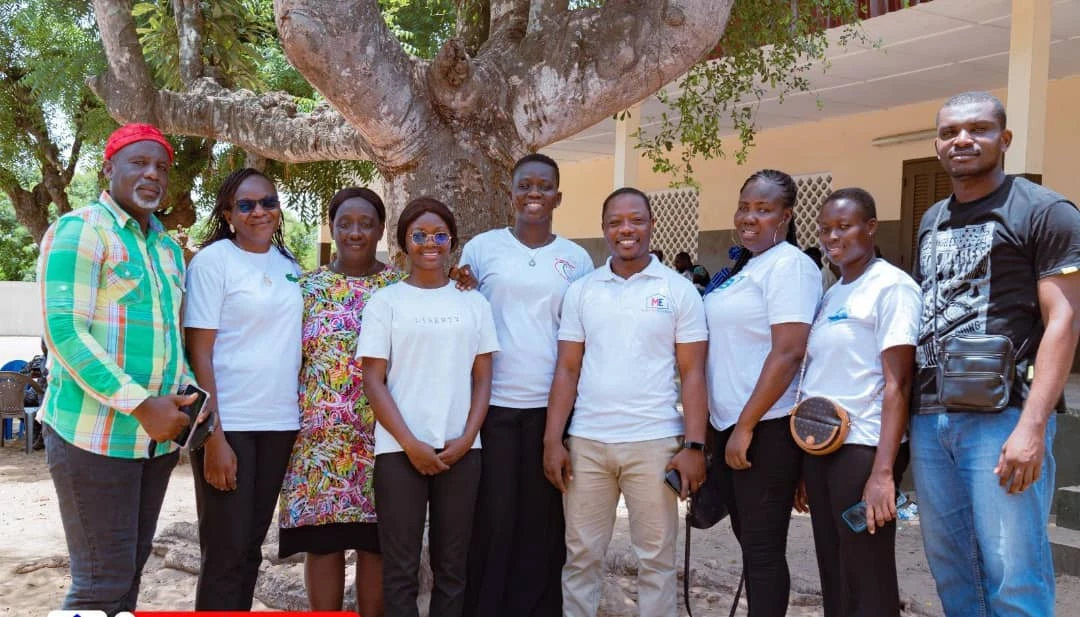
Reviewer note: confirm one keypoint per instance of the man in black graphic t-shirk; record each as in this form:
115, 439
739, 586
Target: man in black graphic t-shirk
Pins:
1007, 250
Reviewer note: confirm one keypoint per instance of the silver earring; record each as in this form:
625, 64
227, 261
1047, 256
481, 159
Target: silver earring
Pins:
232, 229
774, 240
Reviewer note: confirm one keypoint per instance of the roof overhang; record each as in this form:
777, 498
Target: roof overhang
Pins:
925, 52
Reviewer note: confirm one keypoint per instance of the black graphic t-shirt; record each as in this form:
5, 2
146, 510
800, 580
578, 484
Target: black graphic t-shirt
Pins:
991, 254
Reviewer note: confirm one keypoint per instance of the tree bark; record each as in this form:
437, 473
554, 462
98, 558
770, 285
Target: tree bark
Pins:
451, 127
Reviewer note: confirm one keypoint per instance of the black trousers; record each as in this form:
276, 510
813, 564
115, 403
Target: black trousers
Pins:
519, 537
858, 570
402, 498
760, 502
233, 524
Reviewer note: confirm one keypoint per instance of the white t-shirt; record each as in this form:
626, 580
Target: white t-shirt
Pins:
858, 321
781, 285
254, 303
626, 390
430, 339
526, 301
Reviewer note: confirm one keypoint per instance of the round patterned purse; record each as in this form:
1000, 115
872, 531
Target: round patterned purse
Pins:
819, 426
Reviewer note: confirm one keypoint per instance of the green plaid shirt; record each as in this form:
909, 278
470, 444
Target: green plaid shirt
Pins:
111, 300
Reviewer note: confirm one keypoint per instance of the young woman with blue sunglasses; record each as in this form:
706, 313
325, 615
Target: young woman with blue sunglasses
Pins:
430, 402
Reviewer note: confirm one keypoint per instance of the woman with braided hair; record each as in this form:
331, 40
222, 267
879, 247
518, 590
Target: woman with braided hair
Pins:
759, 319
242, 321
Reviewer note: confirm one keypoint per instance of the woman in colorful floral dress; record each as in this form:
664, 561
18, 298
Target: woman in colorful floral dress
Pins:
327, 499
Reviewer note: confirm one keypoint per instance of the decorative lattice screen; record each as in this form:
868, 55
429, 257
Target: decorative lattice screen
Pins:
813, 188
676, 213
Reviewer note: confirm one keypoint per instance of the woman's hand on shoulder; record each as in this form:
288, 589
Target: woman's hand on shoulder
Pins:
463, 276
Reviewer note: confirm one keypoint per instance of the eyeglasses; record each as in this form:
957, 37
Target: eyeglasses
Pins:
441, 238
246, 206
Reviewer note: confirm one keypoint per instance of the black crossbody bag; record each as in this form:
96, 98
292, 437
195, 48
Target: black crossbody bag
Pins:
975, 372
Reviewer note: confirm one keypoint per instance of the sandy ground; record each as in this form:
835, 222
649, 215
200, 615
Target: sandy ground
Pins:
34, 577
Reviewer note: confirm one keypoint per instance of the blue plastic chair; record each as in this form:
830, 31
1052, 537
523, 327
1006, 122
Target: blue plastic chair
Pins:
14, 365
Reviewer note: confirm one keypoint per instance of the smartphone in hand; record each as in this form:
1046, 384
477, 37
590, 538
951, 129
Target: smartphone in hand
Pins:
674, 481
194, 436
855, 516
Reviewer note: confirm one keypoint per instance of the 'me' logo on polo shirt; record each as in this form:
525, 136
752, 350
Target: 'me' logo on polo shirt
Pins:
658, 303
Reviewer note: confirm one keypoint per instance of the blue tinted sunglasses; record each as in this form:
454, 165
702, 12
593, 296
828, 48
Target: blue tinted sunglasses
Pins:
246, 206
419, 238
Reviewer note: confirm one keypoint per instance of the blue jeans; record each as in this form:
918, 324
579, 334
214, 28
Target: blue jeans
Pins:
988, 550
109, 508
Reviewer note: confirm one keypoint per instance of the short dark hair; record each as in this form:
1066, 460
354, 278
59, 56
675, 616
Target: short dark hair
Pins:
682, 255
417, 208
354, 192
976, 97
626, 190
862, 198
536, 157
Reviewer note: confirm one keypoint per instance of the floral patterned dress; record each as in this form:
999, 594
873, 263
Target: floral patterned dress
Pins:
330, 477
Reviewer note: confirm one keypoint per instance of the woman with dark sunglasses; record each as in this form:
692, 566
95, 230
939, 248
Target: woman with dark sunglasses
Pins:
426, 351
242, 318
328, 497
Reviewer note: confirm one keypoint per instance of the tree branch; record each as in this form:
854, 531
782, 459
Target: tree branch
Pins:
268, 125
189, 33
31, 207
128, 72
580, 65
473, 23
345, 51
543, 11
509, 17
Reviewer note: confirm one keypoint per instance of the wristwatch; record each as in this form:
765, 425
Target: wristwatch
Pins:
693, 445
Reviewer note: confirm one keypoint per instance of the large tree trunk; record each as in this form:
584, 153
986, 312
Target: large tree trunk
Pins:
531, 74
473, 183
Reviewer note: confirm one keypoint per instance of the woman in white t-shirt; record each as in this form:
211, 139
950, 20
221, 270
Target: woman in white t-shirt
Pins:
242, 316
860, 356
759, 318
519, 544
426, 356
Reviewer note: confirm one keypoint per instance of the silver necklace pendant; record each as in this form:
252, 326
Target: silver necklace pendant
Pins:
532, 262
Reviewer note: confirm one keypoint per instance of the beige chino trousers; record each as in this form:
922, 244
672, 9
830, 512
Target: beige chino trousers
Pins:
601, 472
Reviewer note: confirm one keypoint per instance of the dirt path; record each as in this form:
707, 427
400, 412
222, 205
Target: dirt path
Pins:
33, 566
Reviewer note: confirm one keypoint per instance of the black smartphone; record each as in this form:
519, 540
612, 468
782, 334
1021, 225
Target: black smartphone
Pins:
195, 434
674, 481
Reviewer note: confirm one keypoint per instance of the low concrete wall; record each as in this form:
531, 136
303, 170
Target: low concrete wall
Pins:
20, 309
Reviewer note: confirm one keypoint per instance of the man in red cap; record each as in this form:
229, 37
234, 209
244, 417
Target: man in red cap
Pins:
111, 285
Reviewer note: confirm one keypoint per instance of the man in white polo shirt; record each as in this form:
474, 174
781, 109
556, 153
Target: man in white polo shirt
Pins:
625, 329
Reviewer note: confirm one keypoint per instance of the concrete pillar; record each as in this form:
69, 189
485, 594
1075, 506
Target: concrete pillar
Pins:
626, 158
1029, 69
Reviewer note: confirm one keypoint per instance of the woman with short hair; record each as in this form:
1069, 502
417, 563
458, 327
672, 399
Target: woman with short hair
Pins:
426, 350
328, 496
860, 356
